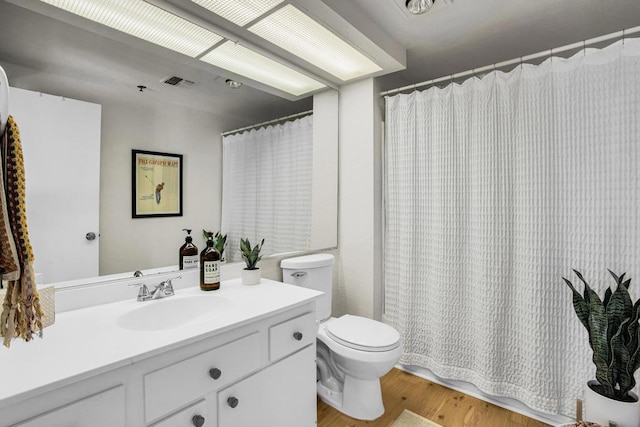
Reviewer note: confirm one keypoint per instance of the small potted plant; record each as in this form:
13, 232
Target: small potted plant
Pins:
220, 242
614, 337
251, 256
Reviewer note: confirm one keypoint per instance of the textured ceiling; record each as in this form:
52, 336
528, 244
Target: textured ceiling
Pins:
467, 34
454, 36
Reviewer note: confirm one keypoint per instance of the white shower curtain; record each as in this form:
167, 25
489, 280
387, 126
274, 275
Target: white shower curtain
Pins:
266, 187
495, 189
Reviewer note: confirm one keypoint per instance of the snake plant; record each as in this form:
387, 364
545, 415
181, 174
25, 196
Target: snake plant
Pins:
219, 242
249, 255
614, 335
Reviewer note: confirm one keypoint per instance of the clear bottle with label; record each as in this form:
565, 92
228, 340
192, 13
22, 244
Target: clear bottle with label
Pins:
209, 266
188, 253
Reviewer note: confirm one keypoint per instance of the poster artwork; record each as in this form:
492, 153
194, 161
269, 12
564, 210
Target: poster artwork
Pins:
157, 186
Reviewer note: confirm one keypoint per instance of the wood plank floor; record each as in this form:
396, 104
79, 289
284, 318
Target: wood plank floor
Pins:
445, 406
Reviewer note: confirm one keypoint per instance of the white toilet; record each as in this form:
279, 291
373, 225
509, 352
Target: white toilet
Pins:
352, 352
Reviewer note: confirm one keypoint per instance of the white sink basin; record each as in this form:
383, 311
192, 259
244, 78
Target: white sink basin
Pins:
172, 312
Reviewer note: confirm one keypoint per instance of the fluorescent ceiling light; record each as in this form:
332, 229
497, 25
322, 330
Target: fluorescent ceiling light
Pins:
145, 21
245, 62
300, 35
240, 12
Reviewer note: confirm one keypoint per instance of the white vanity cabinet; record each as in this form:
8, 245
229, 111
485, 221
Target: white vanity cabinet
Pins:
253, 367
264, 378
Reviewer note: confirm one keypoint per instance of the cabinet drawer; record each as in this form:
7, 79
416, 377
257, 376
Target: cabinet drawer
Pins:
186, 417
292, 335
185, 381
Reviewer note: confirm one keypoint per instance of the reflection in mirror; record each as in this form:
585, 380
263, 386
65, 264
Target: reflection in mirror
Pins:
70, 62
65, 209
268, 177
266, 191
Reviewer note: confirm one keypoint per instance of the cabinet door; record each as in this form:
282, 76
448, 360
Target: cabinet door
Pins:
282, 395
105, 409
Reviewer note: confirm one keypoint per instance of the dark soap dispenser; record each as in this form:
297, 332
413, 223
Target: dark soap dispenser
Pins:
188, 253
209, 266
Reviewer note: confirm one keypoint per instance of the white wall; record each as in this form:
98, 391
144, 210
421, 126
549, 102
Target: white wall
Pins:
324, 232
359, 265
128, 244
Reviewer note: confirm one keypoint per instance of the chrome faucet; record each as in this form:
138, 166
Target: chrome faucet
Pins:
163, 289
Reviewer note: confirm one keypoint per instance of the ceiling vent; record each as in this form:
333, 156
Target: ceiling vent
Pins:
178, 81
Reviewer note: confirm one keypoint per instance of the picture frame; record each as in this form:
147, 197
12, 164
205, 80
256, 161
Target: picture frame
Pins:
156, 184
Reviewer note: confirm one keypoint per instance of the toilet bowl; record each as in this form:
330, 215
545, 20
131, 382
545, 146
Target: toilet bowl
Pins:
353, 352
358, 364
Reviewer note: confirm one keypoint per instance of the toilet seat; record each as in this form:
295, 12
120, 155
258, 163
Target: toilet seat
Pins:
363, 334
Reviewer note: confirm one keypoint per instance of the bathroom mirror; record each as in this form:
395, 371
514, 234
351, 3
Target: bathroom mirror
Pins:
43, 54
4, 100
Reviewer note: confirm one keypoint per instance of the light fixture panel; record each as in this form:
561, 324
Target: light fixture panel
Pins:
245, 62
145, 21
294, 31
240, 12
418, 7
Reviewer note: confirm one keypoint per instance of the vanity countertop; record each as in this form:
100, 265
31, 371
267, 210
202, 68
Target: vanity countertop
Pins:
89, 341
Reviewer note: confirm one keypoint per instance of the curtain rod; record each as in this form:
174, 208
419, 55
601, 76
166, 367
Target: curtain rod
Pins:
281, 119
619, 34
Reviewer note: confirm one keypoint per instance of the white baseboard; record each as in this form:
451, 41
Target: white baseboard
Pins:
471, 390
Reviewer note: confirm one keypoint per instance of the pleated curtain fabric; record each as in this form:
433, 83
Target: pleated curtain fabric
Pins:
266, 187
495, 189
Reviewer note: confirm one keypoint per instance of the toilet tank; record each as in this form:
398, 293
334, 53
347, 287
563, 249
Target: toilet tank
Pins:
313, 272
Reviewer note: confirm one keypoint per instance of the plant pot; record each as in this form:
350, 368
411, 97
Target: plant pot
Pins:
602, 410
251, 277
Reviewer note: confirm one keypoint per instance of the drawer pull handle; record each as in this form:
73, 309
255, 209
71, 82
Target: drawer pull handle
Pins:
215, 373
232, 401
297, 336
197, 420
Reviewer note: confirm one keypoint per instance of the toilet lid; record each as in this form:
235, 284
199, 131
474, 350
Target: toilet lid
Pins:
364, 334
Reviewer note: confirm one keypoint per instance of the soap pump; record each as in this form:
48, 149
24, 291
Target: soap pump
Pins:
209, 266
188, 253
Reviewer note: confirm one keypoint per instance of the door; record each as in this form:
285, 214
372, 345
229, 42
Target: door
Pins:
61, 145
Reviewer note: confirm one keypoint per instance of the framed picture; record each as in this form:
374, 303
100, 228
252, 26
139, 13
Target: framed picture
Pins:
156, 184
